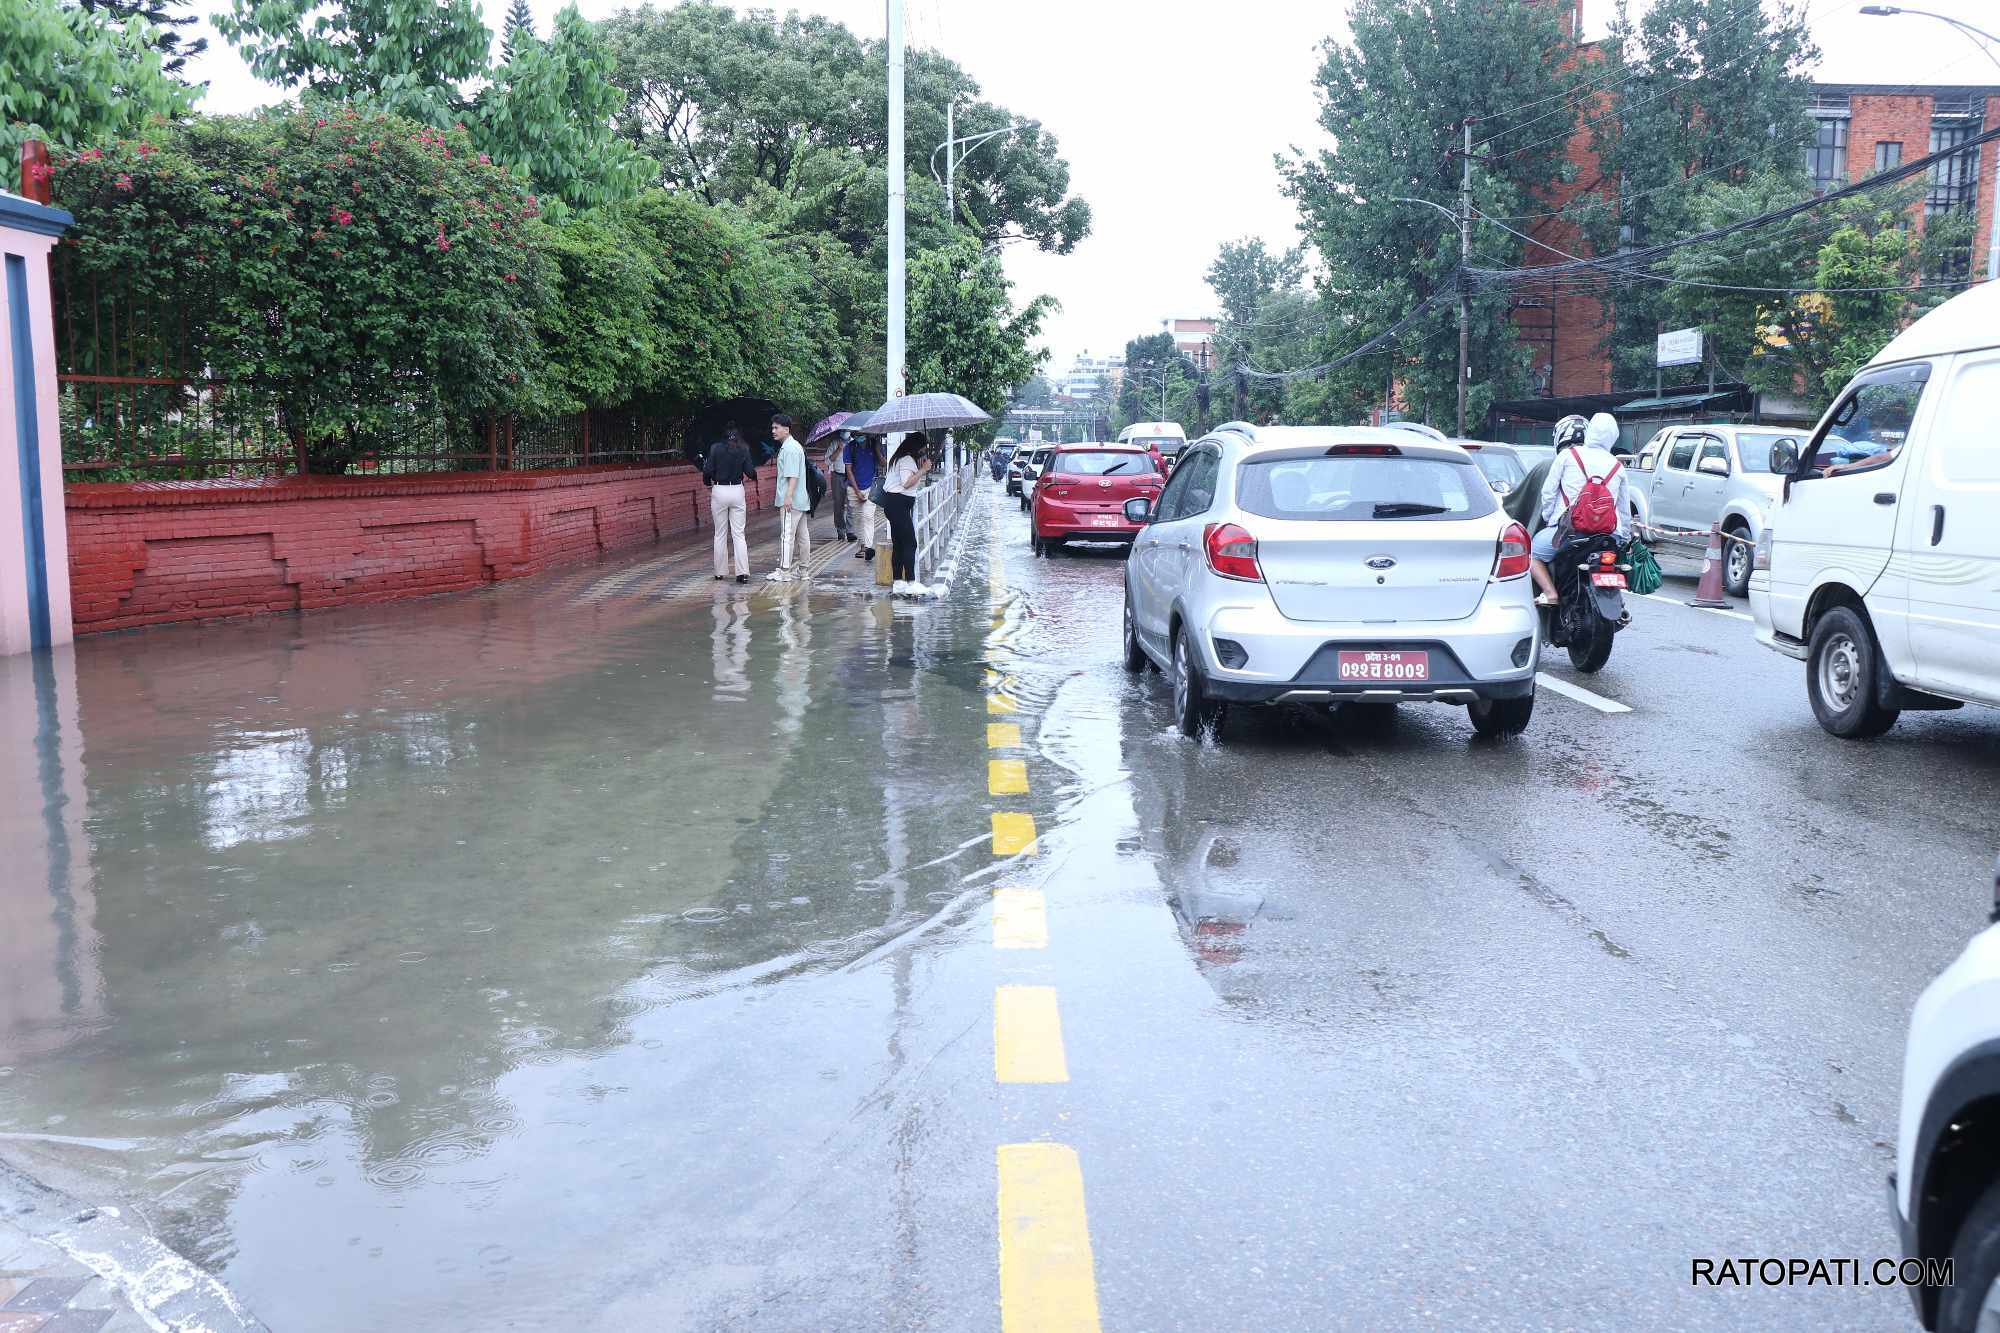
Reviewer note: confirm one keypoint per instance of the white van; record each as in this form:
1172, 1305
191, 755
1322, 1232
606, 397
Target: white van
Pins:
1880, 568
1166, 436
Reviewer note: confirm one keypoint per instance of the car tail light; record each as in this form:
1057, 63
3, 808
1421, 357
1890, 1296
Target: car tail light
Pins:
1232, 552
1510, 561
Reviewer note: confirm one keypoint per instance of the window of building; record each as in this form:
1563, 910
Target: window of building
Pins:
1826, 158
1953, 186
1888, 154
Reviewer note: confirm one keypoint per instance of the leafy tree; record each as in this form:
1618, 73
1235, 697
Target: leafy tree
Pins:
965, 335
404, 57
1149, 361
1037, 392
75, 77
1696, 91
166, 35
739, 107
1394, 99
520, 23
1244, 275
1807, 343
547, 114
358, 270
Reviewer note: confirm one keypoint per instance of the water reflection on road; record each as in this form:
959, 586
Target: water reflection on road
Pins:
400, 948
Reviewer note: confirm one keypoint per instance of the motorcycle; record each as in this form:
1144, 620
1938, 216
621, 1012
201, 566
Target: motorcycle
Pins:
1591, 575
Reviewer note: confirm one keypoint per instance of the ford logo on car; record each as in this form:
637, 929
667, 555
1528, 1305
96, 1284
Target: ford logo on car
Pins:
1381, 562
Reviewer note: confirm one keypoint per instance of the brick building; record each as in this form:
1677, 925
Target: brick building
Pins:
1859, 129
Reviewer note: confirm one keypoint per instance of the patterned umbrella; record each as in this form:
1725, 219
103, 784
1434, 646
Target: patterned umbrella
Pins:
920, 411
827, 427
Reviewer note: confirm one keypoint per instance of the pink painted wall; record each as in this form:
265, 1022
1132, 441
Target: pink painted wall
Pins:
34, 249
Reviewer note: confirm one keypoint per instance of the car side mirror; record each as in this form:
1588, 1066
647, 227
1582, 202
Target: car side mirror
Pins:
1714, 467
1139, 510
1785, 457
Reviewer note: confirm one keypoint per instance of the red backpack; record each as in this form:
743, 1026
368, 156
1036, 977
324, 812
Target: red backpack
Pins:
1594, 511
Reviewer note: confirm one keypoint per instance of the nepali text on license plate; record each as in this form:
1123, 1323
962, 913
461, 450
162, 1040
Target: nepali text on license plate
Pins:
1611, 580
1385, 664
1105, 520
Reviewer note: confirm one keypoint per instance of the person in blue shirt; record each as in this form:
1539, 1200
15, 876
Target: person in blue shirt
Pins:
864, 461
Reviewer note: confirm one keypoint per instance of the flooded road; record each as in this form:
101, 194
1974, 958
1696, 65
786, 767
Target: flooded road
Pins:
610, 951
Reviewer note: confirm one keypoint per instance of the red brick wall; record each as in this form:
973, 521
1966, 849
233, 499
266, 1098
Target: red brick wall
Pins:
146, 552
1580, 364
1882, 118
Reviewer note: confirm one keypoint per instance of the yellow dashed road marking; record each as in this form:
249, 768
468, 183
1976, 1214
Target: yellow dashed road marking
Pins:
1048, 1283
999, 703
1027, 1036
1013, 833
1003, 735
1006, 777
1020, 919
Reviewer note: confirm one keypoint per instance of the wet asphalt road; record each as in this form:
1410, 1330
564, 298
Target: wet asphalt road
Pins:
608, 952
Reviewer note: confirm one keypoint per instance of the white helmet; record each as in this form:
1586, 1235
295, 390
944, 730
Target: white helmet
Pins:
1571, 430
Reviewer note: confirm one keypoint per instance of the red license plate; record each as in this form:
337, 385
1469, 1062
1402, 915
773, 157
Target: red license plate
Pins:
1392, 664
1611, 580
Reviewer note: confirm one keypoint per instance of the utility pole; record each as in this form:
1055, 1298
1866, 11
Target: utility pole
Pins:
950, 161
897, 174
1464, 258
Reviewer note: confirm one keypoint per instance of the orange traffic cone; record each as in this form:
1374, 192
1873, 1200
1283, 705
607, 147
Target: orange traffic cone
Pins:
1708, 594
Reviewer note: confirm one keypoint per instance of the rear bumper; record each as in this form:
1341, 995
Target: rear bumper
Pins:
1297, 662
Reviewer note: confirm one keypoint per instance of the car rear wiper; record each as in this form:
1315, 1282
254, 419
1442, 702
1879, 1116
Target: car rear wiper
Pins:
1407, 509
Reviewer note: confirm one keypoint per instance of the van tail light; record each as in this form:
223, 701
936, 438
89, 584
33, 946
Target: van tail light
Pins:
1232, 552
1510, 561
1763, 558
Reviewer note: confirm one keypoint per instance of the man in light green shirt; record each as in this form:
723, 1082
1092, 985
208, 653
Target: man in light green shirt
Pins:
794, 505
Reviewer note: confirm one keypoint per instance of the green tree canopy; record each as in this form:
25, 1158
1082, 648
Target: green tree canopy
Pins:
1695, 92
1394, 99
405, 57
965, 335
520, 22
547, 114
76, 77
166, 37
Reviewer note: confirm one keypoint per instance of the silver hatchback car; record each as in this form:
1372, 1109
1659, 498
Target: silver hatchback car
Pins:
1332, 565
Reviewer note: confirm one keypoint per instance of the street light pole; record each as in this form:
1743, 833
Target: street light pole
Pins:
897, 173
952, 155
950, 162
1464, 258
1993, 230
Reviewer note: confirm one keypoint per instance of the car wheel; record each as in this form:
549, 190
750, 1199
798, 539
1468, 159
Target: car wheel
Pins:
1501, 717
1135, 654
1034, 543
1842, 668
1972, 1301
1738, 559
1194, 711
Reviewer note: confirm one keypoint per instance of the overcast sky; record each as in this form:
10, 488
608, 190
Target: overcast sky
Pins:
1170, 113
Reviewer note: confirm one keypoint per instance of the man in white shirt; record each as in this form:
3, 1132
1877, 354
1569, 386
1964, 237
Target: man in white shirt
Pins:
1592, 442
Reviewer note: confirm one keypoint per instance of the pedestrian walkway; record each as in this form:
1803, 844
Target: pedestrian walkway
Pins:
43, 1290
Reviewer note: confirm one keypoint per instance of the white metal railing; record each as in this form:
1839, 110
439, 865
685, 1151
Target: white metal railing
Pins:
937, 509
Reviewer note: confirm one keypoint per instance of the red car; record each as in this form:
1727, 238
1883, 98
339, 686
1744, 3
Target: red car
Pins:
1082, 493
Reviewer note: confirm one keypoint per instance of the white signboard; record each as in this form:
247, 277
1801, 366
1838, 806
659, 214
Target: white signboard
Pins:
1682, 347
1034, 435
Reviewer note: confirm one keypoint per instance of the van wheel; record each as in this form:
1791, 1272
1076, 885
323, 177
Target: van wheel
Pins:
1975, 1268
1194, 711
1842, 667
1501, 717
1738, 559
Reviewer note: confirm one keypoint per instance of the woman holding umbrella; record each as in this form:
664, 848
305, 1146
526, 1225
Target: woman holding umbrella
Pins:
904, 478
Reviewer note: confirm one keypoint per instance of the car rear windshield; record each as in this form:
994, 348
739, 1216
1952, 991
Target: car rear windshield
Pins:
1105, 464
1363, 487
1500, 467
1755, 447
1166, 444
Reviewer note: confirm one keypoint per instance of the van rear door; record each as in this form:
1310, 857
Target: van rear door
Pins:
1950, 536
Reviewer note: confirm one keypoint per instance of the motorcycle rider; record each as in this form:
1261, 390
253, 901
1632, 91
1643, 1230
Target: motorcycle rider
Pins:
1591, 442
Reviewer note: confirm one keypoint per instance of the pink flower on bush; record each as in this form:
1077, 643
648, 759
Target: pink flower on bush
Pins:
443, 241
124, 183
485, 161
342, 217
145, 150
510, 277
90, 155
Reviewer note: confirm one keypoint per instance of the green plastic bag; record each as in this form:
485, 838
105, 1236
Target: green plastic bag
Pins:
1645, 577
